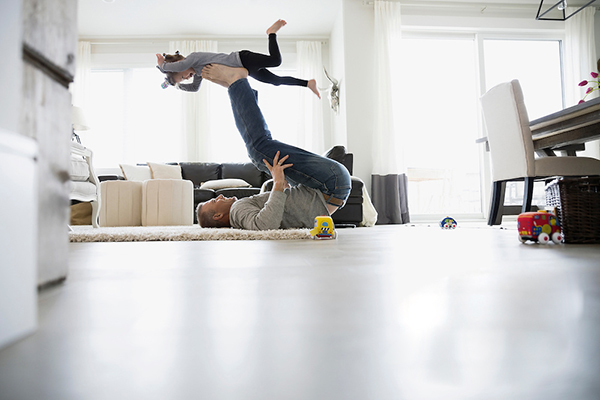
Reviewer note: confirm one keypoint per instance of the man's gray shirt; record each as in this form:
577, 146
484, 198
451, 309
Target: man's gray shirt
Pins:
295, 207
199, 60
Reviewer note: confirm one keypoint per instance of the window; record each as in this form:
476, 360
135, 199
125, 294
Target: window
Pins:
537, 66
133, 119
437, 112
437, 117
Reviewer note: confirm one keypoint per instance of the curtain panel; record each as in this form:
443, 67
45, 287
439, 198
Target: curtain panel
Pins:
389, 183
80, 88
310, 133
195, 106
580, 60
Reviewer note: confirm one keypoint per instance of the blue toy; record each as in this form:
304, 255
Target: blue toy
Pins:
448, 223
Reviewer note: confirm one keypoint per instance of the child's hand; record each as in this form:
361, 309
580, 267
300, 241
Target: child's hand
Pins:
276, 170
160, 59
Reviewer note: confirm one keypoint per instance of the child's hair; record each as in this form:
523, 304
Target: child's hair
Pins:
173, 57
170, 76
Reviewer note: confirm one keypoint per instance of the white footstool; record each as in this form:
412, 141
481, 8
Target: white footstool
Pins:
167, 202
121, 203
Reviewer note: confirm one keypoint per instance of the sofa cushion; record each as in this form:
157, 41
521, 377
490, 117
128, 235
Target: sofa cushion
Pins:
224, 184
164, 171
245, 171
136, 173
199, 172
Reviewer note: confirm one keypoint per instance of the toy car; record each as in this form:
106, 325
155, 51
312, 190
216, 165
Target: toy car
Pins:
324, 228
539, 226
448, 223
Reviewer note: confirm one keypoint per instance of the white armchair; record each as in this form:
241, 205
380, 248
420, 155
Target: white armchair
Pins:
511, 149
85, 185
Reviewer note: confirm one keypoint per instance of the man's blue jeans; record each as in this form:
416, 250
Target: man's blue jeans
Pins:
309, 169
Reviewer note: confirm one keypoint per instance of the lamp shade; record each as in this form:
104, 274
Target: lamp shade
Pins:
78, 120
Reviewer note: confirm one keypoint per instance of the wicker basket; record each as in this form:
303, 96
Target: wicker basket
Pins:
577, 204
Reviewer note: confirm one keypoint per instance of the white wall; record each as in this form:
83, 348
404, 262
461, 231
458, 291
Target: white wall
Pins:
357, 94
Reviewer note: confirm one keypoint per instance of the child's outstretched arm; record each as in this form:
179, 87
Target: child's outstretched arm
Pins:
192, 87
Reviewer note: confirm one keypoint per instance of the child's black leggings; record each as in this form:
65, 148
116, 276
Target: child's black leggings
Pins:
257, 65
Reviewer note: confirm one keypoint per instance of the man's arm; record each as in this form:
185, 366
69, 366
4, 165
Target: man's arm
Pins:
270, 215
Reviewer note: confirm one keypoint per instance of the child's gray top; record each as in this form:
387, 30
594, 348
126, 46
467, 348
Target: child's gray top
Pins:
199, 60
295, 207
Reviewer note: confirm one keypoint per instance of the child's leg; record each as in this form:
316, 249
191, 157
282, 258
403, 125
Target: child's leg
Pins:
254, 61
266, 76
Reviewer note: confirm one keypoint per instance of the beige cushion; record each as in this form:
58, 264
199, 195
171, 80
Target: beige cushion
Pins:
135, 172
163, 171
224, 183
121, 203
167, 202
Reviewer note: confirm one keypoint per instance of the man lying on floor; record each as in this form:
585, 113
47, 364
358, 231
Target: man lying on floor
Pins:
319, 185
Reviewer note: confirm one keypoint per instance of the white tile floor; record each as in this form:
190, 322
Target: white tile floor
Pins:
390, 312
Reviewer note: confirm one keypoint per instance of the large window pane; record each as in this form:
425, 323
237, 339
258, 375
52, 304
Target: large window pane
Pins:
133, 119
536, 64
437, 122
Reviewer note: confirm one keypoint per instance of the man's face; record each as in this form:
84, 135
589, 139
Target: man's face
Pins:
220, 204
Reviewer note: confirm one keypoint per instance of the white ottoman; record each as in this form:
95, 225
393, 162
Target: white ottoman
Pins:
167, 202
121, 203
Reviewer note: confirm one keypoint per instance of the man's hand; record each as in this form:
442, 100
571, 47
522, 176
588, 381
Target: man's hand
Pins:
276, 170
160, 59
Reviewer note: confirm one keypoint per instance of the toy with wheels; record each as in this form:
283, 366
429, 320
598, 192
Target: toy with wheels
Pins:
539, 226
448, 223
324, 228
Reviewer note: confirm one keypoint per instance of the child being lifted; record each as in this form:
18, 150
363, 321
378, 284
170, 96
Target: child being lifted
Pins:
178, 68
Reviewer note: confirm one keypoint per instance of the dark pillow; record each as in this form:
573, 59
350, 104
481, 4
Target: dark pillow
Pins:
200, 172
245, 171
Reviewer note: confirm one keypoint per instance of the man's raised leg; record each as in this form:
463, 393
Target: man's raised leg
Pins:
309, 169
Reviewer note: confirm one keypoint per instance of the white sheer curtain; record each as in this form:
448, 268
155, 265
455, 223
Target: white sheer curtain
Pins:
80, 88
387, 158
580, 60
389, 180
310, 127
195, 106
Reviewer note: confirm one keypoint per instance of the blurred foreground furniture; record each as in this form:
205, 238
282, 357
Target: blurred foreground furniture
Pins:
512, 152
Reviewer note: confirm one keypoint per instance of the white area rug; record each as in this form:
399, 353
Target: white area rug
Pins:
178, 233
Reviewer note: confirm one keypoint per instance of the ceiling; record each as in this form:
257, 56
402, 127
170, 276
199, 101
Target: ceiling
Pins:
234, 18
156, 18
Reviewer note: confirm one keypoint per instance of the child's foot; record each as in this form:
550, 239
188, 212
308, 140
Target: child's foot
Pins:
223, 75
276, 26
312, 85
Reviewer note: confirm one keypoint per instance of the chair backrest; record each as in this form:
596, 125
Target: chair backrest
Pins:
509, 135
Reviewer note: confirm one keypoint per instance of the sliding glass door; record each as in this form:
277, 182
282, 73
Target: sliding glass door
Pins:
437, 119
437, 88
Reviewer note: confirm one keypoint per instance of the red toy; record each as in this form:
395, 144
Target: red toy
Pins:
539, 226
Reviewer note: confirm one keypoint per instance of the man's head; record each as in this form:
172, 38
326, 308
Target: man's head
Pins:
215, 212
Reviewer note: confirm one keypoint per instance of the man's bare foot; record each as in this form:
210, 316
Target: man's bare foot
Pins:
276, 26
222, 74
312, 85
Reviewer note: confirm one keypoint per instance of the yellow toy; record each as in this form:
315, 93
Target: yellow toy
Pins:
324, 228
